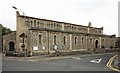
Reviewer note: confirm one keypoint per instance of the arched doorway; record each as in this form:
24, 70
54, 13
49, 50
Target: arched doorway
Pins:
96, 44
11, 46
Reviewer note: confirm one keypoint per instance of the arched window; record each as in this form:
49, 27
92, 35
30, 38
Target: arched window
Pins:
103, 40
64, 40
91, 40
82, 40
27, 22
75, 40
34, 23
54, 25
54, 40
40, 39
51, 25
38, 24
31, 23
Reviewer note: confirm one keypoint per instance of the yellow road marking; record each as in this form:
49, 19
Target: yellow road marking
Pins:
109, 64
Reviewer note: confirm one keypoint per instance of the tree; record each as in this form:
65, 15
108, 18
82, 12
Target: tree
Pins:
4, 30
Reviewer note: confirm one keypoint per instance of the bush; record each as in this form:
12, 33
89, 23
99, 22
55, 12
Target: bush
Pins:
10, 53
21, 54
103, 47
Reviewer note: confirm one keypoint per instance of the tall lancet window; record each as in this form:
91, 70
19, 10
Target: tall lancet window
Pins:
40, 39
55, 40
34, 23
31, 23
64, 40
75, 40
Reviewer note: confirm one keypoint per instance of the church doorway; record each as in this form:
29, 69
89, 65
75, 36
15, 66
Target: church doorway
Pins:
11, 46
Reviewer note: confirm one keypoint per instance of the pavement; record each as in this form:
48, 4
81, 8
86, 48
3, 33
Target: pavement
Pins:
91, 62
116, 63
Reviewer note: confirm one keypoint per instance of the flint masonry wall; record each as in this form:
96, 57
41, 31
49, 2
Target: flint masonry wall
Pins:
45, 34
7, 39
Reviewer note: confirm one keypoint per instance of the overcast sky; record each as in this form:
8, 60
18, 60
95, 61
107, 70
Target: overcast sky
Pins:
101, 13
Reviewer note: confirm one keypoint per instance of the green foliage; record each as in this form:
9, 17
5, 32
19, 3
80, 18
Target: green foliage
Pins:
4, 30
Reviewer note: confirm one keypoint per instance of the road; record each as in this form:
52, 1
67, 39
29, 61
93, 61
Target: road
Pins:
73, 63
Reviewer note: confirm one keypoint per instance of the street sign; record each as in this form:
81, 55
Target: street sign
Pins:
55, 47
43, 48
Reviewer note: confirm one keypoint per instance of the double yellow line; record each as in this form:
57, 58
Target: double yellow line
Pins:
109, 64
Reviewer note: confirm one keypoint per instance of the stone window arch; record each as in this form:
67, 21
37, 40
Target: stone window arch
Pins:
11, 46
82, 40
40, 39
75, 40
91, 41
64, 40
55, 40
54, 25
27, 22
51, 25
38, 24
103, 40
31, 23
34, 23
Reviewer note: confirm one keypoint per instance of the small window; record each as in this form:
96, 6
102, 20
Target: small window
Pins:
38, 24
90, 39
75, 40
40, 39
64, 40
102, 39
27, 22
82, 40
107, 39
54, 25
35, 23
54, 40
31, 23
51, 25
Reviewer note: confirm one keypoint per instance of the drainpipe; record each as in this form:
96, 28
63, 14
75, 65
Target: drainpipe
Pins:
48, 42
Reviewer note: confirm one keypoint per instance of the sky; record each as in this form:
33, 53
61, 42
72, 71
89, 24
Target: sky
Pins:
101, 13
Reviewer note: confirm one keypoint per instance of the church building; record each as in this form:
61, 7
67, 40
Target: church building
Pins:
38, 36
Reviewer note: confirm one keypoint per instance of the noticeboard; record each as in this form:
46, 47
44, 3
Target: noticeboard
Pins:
35, 48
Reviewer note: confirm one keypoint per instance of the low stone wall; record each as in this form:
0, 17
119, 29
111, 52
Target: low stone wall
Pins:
99, 50
22, 54
61, 53
112, 50
39, 53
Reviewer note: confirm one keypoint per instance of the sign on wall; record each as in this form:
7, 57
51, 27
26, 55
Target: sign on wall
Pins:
35, 48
